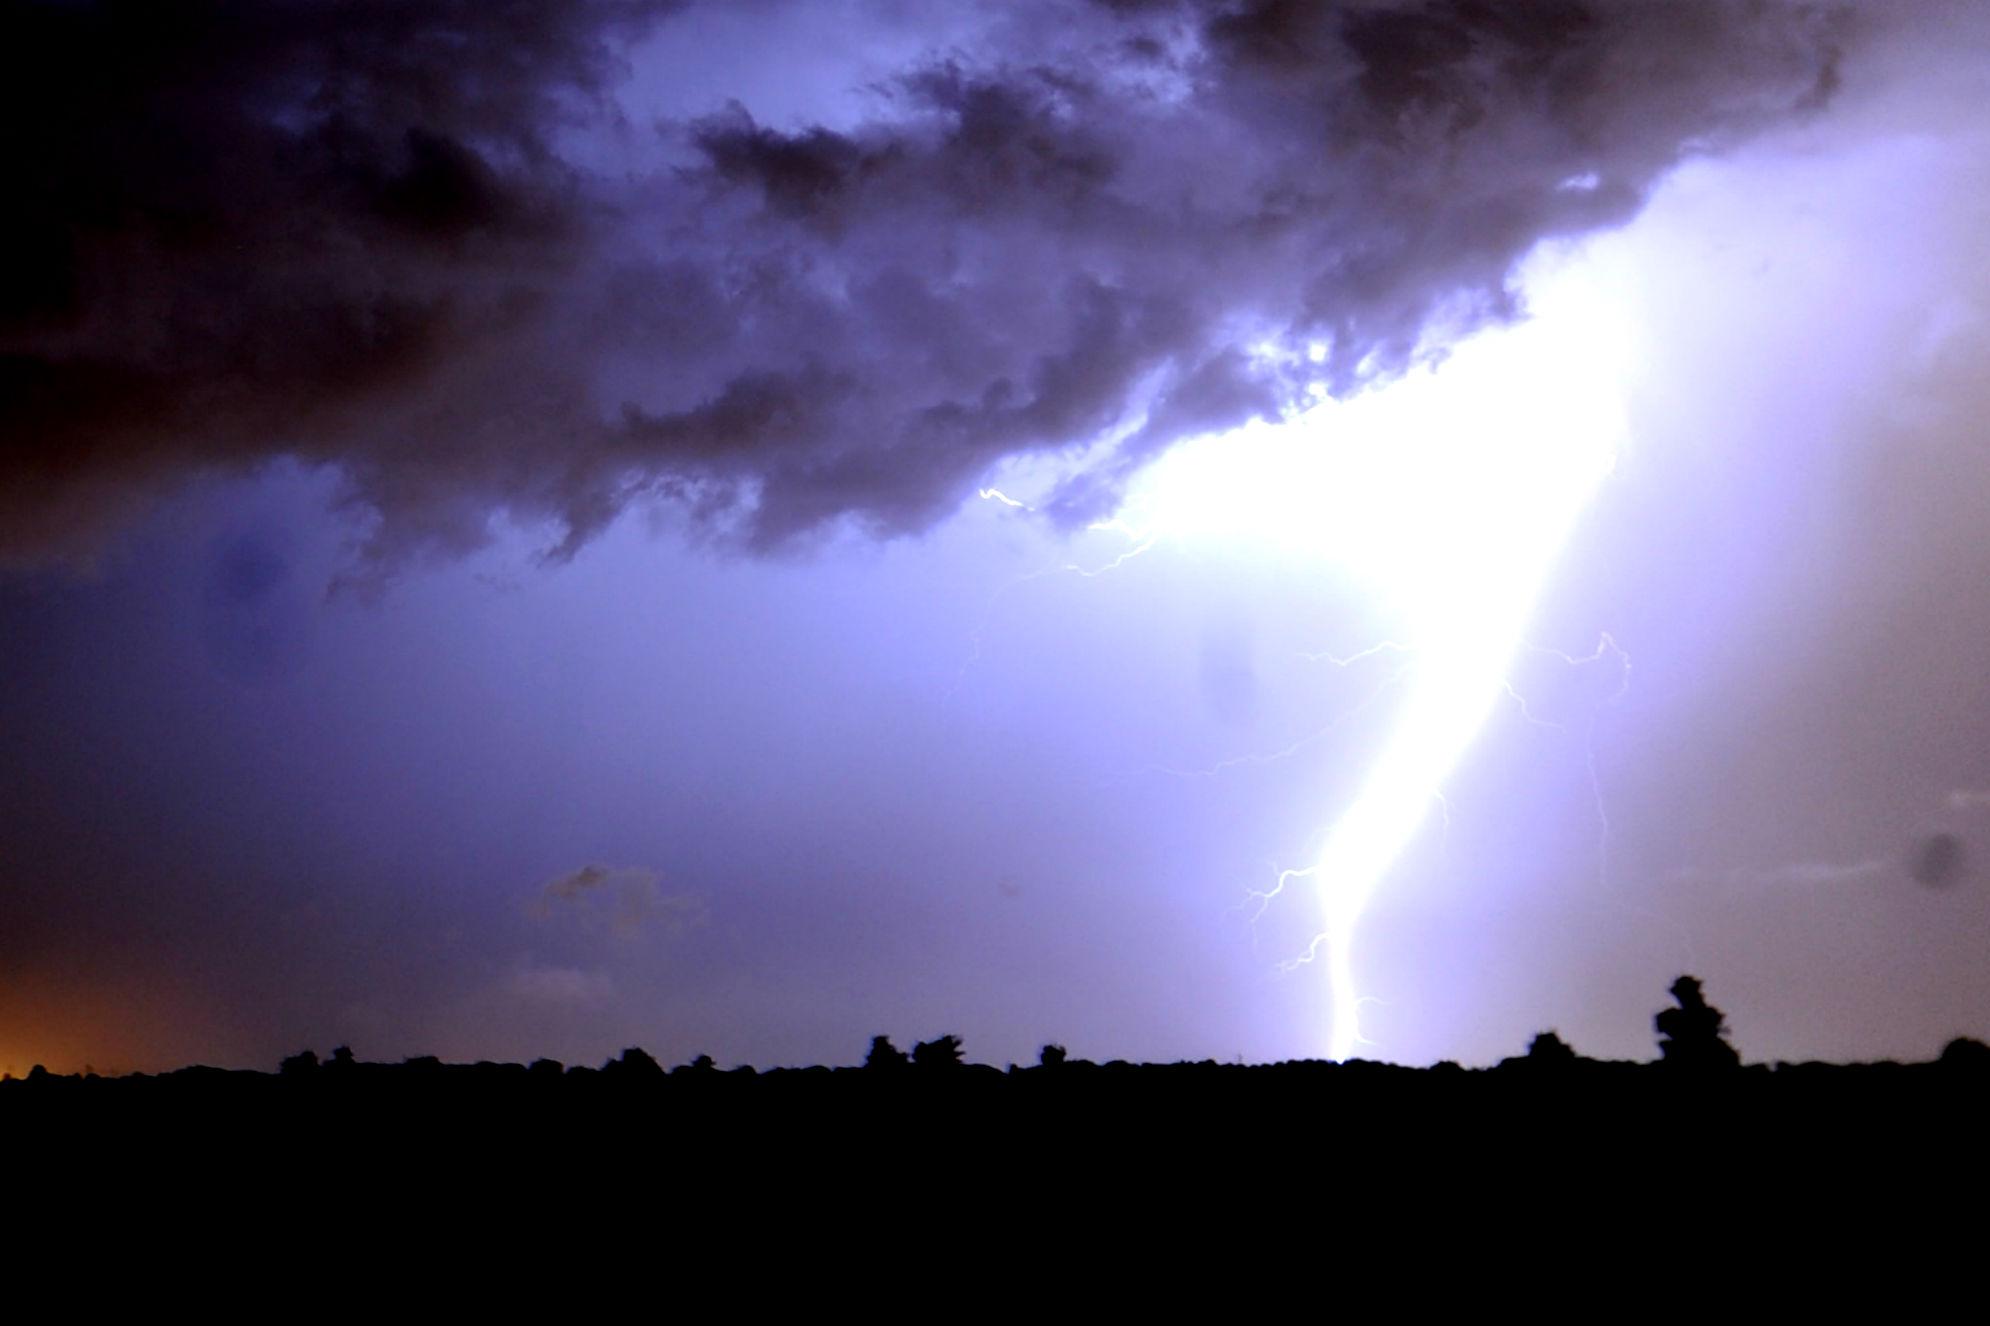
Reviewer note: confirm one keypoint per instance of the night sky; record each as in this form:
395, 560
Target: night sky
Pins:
735, 527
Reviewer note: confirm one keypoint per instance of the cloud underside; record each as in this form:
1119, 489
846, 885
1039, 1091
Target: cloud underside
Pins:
366, 235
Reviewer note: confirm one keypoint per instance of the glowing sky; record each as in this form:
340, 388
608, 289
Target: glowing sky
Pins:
1491, 339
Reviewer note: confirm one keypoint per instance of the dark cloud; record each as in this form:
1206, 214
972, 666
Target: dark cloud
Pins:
362, 233
240, 230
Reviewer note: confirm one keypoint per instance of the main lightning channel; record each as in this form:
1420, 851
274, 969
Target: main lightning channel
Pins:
1448, 494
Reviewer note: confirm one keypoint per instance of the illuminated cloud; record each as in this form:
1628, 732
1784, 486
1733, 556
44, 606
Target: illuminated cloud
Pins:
383, 238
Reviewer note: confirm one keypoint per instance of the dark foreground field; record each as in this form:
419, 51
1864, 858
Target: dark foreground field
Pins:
1197, 1188
1182, 1126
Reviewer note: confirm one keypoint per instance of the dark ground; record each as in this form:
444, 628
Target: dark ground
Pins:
941, 1189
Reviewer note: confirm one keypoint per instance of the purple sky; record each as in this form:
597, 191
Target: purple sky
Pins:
494, 564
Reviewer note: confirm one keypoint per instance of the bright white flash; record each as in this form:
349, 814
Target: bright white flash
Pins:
1449, 493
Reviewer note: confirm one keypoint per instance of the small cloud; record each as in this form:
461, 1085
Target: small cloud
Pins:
558, 985
1966, 799
623, 901
583, 881
1937, 860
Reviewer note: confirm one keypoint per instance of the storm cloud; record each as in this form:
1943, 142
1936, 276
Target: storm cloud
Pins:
377, 237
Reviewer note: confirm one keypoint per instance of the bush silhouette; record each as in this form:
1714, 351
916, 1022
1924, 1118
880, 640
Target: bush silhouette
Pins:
1968, 1054
634, 1063
884, 1055
942, 1052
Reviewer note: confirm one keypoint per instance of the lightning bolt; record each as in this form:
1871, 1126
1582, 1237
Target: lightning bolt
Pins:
1448, 494
1539, 468
1455, 690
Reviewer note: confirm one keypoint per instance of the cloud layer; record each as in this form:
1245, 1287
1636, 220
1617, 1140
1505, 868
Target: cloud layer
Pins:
366, 234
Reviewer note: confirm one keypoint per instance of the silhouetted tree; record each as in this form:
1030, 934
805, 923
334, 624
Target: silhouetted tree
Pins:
341, 1058
1053, 1056
297, 1065
884, 1055
942, 1052
1968, 1054
1694, 1035
1549, 1048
